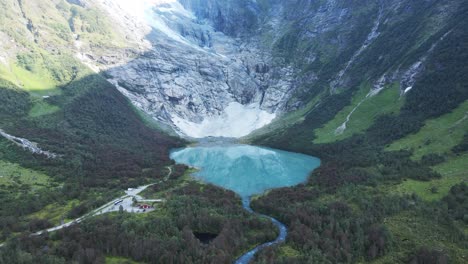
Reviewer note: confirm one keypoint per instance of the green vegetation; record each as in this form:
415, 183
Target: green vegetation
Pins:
286, 121
166, 235
13, 175
438, 135
181, 176
363, 193
104, 145
383, 194
366, 110
120, 260
27, 79
15, 102
55, 213
50, 98
454, 166
453, 171
413, 231
41, 107
39, 71
432, 190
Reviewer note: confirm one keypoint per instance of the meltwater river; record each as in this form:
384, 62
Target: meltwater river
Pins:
248, 170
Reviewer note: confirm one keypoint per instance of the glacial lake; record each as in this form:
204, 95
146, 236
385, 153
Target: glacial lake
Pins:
247, 170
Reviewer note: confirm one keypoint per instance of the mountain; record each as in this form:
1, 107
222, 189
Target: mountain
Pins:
94, 94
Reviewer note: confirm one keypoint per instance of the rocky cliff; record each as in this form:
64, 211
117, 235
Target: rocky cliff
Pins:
199, 66
271, 57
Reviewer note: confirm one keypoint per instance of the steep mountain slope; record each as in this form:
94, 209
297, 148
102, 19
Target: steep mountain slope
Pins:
395, 94
68, 137
376, 89
52, 100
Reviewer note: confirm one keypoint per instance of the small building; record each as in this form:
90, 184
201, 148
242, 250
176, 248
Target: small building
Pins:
145, 206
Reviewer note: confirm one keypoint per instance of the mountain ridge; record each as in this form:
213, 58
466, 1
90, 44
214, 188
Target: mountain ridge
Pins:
376, 89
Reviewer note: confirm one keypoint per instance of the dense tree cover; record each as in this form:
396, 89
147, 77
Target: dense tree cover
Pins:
103, 145
14, 102
457, 202
347, 226
163, 236
463, 146
321, 233
98, 135
425, 255
332, 232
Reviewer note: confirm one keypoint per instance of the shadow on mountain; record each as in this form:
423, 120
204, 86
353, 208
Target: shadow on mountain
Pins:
101, 138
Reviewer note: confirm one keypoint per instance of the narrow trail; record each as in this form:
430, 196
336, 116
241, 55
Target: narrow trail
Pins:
283, 232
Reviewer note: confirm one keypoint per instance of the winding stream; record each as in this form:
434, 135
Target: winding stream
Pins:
248, 170
283, 232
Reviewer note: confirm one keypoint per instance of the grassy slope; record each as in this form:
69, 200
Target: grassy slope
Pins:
83, 117
453, 171
283, 122
386, 102
13, 175
432, 98
34, 36
412, 231
438, 135
55, 213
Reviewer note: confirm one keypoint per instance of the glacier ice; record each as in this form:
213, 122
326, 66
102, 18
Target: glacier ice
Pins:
236, 121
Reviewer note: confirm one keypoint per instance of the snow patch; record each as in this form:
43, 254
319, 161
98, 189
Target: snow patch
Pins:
408, 89
237, 121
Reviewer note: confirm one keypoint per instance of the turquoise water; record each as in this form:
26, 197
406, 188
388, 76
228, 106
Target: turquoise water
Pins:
247, 170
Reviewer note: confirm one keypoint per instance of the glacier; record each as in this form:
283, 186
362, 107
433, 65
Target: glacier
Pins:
192, 77
236, 121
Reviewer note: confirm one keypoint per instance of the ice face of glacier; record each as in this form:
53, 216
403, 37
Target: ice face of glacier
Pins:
236, 121
199, 80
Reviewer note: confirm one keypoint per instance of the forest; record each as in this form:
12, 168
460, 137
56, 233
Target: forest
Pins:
103, 146
347, 212
340, 214
166, 236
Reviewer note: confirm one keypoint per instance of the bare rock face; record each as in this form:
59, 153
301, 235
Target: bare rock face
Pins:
81, 3
193, 61
193, 72
197, 64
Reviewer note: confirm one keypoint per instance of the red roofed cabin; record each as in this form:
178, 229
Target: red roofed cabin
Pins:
145, 206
